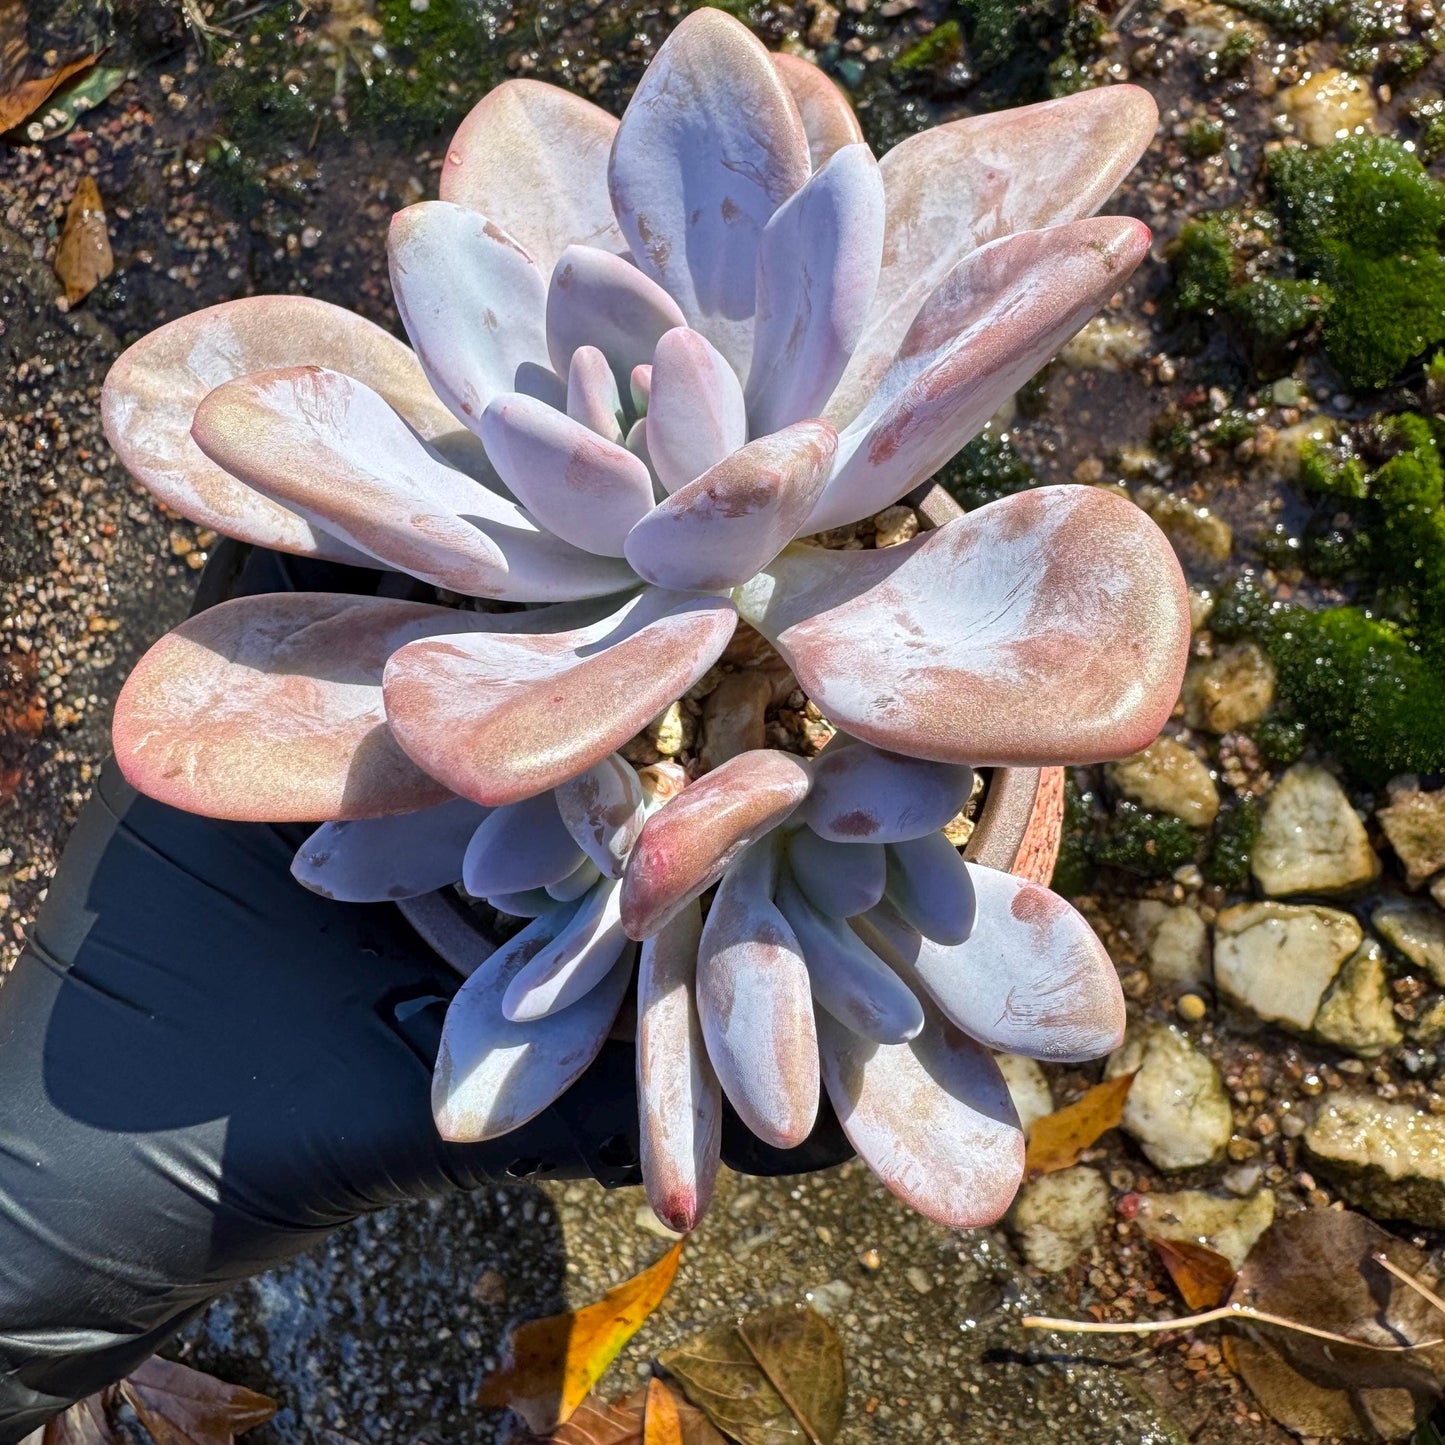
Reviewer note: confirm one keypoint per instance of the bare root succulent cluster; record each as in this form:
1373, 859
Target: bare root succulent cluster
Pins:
649, 357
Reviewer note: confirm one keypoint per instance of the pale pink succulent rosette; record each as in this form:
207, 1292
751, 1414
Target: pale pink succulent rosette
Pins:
648, 357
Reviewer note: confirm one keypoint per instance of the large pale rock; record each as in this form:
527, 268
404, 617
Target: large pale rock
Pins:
1387, 1158
1057, 1217
1358, 1014
1414, 822
1027, 1087
1226, 1225
1197, 534
1174, 941
1310, 839
1233, 689
1328, 105
1177, 1108
1418, 931
1168, 777
1278, 959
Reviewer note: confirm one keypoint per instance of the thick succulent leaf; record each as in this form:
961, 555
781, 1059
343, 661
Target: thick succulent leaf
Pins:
499, 718
838, 879
472, 300
1032, 979
931, 1118
828, 119
604, 809
269, 709
849, 980
592, 395
719, 530
1049, 627
639, 387
492, 1075
533, 157
709, 147
587, 490
817, 269
378, 860
993, 321
532, 903
331, 450
755, 1001
686, 846
695, 410
598, 299
519, 847
575, 962
679, 1102
582, 878
930, 887
152, 392
959, 186
862, 794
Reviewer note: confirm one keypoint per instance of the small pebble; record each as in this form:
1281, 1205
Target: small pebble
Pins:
871, 1260
1192, 1008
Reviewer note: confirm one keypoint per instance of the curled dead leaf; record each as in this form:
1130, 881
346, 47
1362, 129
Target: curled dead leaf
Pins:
1057, 1140
553, 1363
84, 257
24, 99
1202, 1276
774, 1376
181, 1406
1321, 1266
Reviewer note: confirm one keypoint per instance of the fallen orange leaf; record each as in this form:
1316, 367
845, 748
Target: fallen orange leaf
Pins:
661, 1425
553, 1363
1057, 1140
84, 257
1202, 1276
27, 97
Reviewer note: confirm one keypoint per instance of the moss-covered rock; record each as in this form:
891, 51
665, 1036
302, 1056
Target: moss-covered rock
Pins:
988, 468
1364, 219
1355, 680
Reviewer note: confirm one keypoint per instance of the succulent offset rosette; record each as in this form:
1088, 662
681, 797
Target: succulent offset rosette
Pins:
649, 357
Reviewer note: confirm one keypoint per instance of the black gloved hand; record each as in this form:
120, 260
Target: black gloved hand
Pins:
204, 1068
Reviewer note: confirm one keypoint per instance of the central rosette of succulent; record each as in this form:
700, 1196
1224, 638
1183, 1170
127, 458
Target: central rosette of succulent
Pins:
649, 358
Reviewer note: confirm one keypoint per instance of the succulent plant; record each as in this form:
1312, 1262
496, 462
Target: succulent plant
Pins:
649, 357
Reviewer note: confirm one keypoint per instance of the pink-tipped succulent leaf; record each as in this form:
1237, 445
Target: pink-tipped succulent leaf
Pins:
501, 717
677, 1090
1050, 626
686, 847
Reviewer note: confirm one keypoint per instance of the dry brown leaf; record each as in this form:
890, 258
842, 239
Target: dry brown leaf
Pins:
553, 1363
87, 1422
84, 258
1320, 1266
181, 1406
1202, 1276
775, 1376
599, 1422
21, 101
1057, 1140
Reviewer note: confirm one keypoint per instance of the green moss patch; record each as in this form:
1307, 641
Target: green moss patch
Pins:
1364, 220
1356, 681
